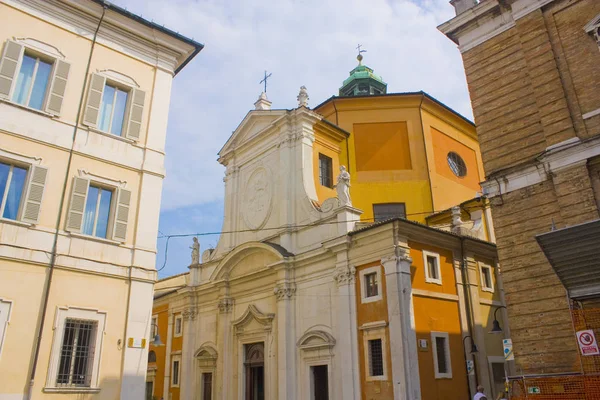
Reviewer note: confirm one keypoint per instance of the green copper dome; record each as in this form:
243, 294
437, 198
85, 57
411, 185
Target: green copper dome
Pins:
362, 82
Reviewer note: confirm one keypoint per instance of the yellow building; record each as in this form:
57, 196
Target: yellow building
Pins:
84, 99
408, 154
305, 298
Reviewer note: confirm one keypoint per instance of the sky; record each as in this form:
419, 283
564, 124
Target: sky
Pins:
301, 42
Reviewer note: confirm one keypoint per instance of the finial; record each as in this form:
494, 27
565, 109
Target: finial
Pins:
302, 97
359, 57
262, 103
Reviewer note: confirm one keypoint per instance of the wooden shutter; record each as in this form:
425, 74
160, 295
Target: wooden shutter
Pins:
134, 116
77, 205
35, 192
8, 66
58, 86
121, 215
94, 100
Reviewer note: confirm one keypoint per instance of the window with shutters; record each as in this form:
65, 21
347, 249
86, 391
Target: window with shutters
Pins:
76, 347
32, 78
99, 210
431, 262
114, 107
325, 171
370, 284
385, 211
21, 191
441, 355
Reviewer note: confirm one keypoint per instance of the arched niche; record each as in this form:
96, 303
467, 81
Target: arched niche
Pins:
316, 343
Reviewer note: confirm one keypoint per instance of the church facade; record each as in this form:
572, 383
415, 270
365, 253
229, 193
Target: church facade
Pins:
302, 300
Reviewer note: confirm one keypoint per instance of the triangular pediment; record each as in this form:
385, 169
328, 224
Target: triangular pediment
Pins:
251, 126
253, 320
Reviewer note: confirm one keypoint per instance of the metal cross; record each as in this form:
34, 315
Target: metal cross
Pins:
359, 50
265, 80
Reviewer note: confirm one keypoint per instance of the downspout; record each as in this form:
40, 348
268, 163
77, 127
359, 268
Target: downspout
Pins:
426, 157
465, 278
53, 256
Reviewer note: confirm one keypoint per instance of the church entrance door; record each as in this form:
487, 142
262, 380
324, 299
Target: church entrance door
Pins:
254, 365
320, 382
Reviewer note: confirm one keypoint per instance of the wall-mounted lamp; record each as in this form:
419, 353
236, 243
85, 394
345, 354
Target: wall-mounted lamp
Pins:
156, 342
496, 328
473, 345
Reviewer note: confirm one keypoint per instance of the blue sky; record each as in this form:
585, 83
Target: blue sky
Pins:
302, 42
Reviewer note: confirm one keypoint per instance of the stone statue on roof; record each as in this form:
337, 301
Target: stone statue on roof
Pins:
195, 252
343, 187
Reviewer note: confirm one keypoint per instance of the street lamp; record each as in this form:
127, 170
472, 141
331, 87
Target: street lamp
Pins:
496, 328
473, 345
156, 342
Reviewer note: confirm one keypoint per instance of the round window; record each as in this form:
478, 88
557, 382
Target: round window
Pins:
457, 164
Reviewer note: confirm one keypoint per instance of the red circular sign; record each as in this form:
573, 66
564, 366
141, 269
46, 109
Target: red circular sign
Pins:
586, 339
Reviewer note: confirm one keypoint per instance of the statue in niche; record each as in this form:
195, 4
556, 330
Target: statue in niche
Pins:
195, 252
343, 187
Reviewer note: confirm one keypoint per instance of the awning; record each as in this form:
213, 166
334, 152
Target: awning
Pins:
574, 254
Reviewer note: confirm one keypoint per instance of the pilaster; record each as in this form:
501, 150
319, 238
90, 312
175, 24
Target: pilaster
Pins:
224, 348
405, 376
167, 380
286, 340
188, 381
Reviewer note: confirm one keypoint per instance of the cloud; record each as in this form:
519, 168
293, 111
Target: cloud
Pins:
302, 42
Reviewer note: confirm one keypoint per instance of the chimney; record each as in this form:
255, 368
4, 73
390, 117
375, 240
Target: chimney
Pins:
460, 6
262, 103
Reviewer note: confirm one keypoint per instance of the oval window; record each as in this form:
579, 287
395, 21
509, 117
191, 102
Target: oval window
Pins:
457, 164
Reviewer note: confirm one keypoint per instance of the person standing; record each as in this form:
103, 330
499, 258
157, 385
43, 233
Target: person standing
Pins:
480, 395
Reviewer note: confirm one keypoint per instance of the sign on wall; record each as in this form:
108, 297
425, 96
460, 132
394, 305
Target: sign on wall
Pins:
508, 350
470, 367
587, 343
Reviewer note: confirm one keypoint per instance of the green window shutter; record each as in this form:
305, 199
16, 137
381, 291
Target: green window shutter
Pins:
135, 113
94, 100
77, 205
35, 193
8, 66
121, 215
58, 87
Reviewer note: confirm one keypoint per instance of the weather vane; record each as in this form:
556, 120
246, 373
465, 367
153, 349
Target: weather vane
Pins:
265, 80
359, 57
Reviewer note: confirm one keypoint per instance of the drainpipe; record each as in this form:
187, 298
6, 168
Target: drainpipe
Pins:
54, 255
465, 278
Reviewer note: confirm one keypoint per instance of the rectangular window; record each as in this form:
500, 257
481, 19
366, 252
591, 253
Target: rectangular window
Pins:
76, 353
178, 325
112, 110
153, 327
97, 211
12, 184
325, 171
371, 284
385, 211
207, 386
32, 82
175, 373
375, 358
433, 273
487, 284
441, 355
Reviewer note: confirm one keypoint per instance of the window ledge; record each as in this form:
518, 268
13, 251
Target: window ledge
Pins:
377, 378
15, 222
371, 299
435, 281
491, 290
71, 390
111, 135
94, 238
35, 110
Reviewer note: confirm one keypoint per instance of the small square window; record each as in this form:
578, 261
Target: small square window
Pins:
433, 273
178, 325
375, 358
371, 284
32, 81
487, 282
112, 109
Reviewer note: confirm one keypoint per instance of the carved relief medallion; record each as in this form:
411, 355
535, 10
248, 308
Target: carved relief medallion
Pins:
257, 198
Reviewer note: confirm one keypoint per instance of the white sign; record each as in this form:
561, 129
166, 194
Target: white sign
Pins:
470, 367
508, 350
587, 343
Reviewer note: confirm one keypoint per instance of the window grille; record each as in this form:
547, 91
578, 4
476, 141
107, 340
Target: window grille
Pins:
375, 358
77, 353
371, 284
457, 164
175, 373
325, 171
440, 348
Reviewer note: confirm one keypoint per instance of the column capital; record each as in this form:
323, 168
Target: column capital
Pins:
225, 305
344, 275
284, 291
189, 313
